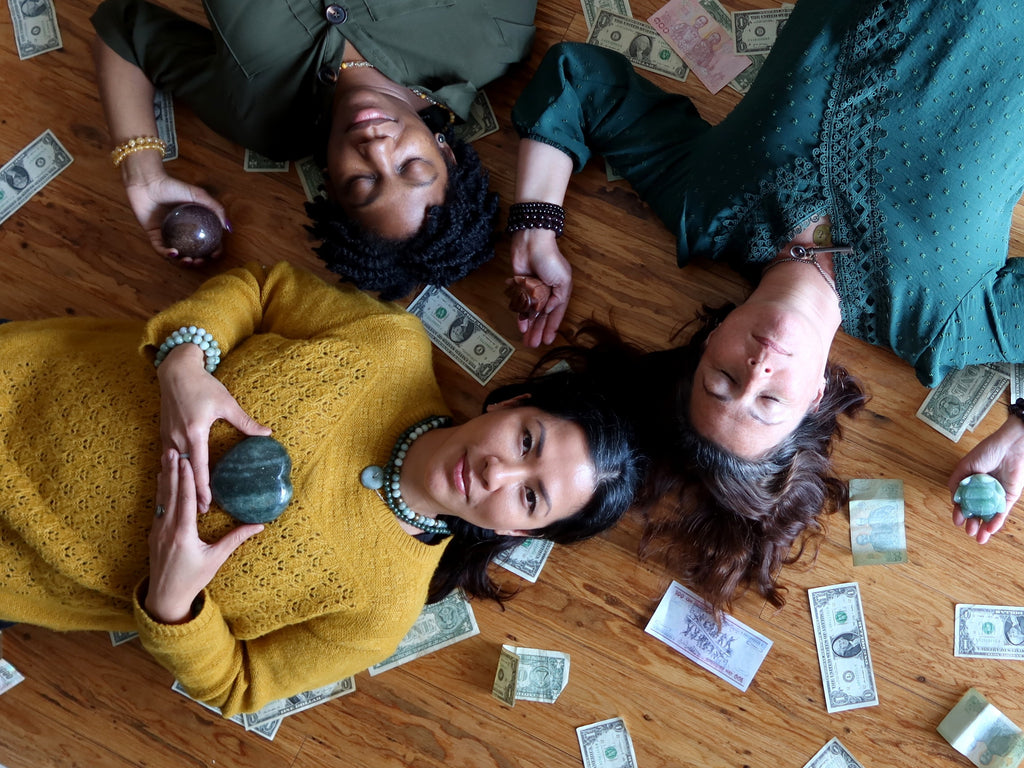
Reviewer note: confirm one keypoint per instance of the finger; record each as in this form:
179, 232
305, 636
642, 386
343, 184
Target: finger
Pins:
971, 525
199, 461
993, 526
224, 548
243, 422
186, 498
554, 321
157, 241
958, 516
170, 501
201, 196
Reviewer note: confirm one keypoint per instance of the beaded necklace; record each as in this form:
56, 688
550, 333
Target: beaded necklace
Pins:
367, 65
375, 478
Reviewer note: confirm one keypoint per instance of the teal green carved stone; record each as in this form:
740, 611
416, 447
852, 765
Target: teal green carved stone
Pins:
253, 483
980, 496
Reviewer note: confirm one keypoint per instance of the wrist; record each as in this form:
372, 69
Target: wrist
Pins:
141, 169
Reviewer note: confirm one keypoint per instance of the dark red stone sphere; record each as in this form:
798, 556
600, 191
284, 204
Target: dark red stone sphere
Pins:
193, 230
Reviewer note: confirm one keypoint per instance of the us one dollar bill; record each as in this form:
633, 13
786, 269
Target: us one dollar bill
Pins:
699, 31
312, 178
120, 638
482, 120
756, 31
956, 403
35, 27
841, 637
833, 755
982, 734
254, 162
733, 651
460, 334
9, 676
527, 559
591, 9
606, 744
29, 171
267, 730
1016, 382
276, 710
989, 631
440, 624
637, 41
877, 521
163, 113
530, 674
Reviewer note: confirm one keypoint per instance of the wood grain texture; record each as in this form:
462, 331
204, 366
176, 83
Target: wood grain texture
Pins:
75, 249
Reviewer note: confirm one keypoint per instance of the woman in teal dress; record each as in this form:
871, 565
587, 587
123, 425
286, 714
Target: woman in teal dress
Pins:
887, 131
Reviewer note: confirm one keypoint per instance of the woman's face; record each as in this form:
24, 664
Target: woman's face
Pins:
762, 370
513, 469
386, 167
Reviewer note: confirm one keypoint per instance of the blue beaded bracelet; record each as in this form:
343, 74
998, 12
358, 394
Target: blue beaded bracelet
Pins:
192, 335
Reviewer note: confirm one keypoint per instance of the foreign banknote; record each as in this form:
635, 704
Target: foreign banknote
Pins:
254, 162
281, 708
268, 730
482, 120
9, 676
982, 734
843, 654
637, 41
527, 558
833, 755
955, 404
756, 31
530, 674
592, 8
699, 31
29, 171
460, 334
733, 651
35, 27
606, 744
163, 113
989, 631
311, 178
440, 624
120, 638
877, 521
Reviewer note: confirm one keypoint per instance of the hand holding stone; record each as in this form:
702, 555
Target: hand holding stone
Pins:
527, 295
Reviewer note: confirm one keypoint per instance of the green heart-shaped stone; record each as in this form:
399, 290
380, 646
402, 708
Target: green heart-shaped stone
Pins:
252, 483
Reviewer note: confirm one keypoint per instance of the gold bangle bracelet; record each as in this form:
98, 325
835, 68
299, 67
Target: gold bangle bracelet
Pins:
138, 144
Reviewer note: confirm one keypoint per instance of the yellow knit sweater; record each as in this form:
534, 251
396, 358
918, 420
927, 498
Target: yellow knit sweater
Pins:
329, 588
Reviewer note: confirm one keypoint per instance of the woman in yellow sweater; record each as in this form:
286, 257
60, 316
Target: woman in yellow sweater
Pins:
332, 585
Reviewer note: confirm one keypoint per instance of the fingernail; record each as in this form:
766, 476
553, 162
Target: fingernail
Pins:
227, 226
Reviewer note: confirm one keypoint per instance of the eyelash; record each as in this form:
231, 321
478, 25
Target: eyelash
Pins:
530, 494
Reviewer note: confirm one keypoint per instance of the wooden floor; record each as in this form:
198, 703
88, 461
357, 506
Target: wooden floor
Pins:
75, 249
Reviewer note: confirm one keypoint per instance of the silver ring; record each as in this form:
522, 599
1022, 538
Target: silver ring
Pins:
160, 510
183, 456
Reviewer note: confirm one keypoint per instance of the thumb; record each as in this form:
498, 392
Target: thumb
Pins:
224, 548
245, 423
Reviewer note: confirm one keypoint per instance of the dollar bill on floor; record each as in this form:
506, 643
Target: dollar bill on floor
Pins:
35, 27
460, 334
756, 31
482, 120
254, 162
29, 171
267, 730
311, 178
606, 744
1016, 382
989, 631
878, 533
591, 9
610, 173
9, 676
841, 637
949, 407
120, 638
684, 621
281, 708
527, 559
982, 734
639, 42
996, 386
530, 674
163, 113
687, 26
439, 625
833, 755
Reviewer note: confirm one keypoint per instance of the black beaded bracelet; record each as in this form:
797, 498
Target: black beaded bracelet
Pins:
1017, 409
535, 215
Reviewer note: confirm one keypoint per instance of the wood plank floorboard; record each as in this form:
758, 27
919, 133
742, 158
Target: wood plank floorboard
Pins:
75, 249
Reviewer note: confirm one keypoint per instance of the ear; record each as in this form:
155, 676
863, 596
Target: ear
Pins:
711, 333
817, 398
512, 402
517, 533
445, 148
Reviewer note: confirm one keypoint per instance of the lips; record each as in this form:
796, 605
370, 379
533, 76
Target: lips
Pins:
365, 118
765, 342
460, 477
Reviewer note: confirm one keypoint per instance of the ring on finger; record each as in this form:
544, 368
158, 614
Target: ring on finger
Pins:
160, 510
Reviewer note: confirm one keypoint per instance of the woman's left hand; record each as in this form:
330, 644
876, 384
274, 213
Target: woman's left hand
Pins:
180, 563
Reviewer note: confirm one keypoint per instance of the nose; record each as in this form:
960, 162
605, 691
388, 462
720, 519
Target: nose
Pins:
497, 473
758, 360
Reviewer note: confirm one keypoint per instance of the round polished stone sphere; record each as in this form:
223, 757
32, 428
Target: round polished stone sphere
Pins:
980, 496
193, 230
253, 483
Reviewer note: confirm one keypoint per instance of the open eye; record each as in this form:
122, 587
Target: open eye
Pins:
530, 496
527, 441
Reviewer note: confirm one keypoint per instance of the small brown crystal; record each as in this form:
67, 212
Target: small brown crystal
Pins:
527, 295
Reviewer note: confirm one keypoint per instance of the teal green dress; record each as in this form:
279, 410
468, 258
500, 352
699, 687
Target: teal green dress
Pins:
902, 121
263, 73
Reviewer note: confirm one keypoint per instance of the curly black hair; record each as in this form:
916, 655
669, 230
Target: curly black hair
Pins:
455, 238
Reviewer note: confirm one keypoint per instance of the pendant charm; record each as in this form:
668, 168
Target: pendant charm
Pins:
372, 477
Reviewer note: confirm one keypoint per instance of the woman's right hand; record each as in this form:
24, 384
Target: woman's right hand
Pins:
191, 400
535, 253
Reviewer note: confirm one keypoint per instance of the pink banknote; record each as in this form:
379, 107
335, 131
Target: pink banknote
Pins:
701, 41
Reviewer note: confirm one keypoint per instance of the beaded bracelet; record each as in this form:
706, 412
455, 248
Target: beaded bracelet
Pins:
192, 335
1017, 408
536, 215
138, 144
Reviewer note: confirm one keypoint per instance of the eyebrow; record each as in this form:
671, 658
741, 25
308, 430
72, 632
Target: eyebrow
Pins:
376, 193
724, 399
540, 450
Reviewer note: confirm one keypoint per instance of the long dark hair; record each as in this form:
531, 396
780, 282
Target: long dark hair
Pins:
581, 399
720, 522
